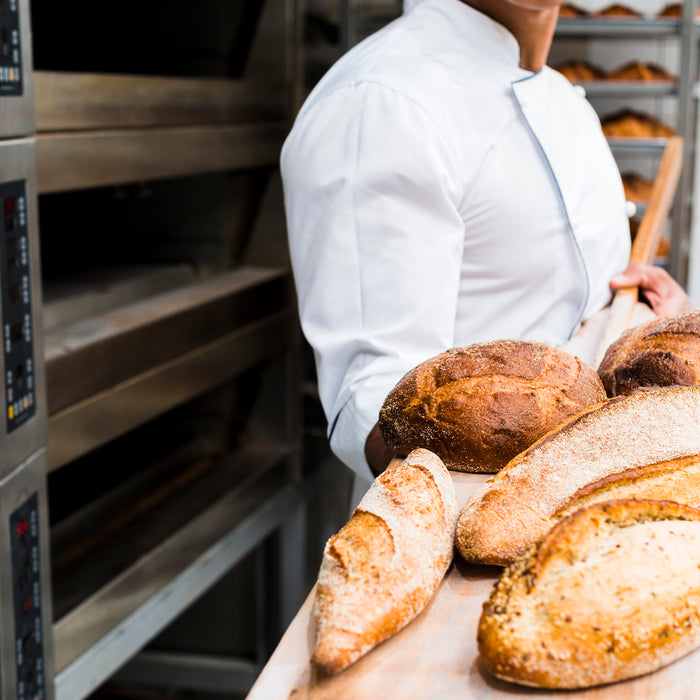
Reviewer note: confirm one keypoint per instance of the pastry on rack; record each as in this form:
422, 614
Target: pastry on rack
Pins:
617, 11
637, 187
639, 71
567, 10
629, 123
579, 71
674, 11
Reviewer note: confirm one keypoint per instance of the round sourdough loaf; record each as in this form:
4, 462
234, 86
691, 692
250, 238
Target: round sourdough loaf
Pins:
661, 352
479, 406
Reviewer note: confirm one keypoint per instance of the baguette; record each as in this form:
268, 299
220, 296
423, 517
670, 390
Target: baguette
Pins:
381, 569
517, 506
611, 592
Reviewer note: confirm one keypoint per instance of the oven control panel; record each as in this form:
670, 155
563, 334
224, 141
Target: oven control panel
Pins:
10, 50
26, 584
18, 344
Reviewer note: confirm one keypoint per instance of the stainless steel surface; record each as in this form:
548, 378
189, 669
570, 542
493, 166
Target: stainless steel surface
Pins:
632, 147
687, 109
620, 89
112, 157
101, 351
17, 163
203, 673
617, 28
75, 298
94, 421
99, 636
71, 101
17, 112
28, 478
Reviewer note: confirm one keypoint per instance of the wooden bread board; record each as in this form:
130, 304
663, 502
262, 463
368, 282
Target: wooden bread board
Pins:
435, 657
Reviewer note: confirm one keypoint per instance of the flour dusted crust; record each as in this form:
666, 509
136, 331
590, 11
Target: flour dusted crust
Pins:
661, 352
385, 564
611, 592
518, 505
478, 406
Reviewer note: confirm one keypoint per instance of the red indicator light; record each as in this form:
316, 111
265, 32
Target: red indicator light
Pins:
10, 205
22, 527
27, 605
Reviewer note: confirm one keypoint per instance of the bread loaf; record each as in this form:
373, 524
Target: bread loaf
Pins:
384, 565
611, 592
578, 71
661, 352
628, 123
517, 506
478, 406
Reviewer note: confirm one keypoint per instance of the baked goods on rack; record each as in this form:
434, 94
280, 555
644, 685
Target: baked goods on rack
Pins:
610, 593
478, 406
578, 71
617, 11
661, 352
569, 10
637, 187
517, 506
629, 123
382, 567
640, 71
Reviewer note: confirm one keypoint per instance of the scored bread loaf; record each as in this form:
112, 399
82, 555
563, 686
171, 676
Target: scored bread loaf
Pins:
516, 507
478, 406
660, 352
379, 571
611, 592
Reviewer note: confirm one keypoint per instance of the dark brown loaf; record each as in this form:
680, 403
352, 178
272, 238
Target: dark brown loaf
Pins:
384, 565
611, 592
478, 406
661, 352
518, 505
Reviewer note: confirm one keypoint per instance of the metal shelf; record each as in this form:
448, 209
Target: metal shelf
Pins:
585, 27
108, 374
113, 157
637, 147
73, 101
611, 88
98, 636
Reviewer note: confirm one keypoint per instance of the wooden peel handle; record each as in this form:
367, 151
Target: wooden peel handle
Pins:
646, 241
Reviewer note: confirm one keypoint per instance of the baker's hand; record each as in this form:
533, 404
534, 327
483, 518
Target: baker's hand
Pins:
656, 286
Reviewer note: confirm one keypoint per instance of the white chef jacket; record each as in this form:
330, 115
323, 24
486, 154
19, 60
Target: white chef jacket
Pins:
437, 195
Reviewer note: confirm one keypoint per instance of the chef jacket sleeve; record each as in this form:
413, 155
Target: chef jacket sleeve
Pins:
376, 239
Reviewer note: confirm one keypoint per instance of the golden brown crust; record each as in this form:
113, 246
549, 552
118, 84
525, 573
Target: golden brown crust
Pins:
579, 71
383, 566
640, 71
563, 616
477, 407
661, 352
637, 187
570, 10
616, 11
635, 124
515, 507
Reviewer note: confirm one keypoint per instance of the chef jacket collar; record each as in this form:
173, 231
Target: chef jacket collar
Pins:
493, 39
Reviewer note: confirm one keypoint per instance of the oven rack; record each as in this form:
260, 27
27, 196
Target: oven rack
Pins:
96, 638
115, 129
111, 372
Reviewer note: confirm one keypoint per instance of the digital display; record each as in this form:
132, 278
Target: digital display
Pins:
16, 307
10, 49
26, 585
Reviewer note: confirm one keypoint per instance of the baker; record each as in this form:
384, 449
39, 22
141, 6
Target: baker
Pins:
443, 186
